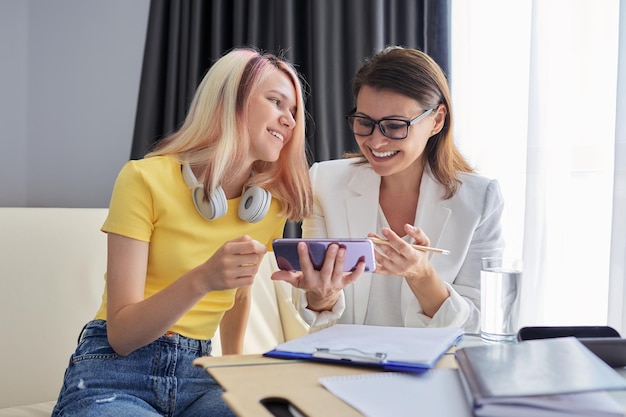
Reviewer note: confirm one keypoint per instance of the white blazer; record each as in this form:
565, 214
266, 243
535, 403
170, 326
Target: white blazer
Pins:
468, 225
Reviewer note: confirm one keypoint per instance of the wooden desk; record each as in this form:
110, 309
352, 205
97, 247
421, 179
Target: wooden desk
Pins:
249, 379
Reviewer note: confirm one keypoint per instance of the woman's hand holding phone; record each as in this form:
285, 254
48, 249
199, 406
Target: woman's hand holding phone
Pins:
323, 281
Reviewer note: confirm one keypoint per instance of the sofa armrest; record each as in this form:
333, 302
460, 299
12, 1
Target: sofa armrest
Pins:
52, 266
273, 317
33, 410
293, 324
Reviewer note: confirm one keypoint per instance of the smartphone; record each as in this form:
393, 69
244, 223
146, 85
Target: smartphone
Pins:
604, 341
286, 252
546, 332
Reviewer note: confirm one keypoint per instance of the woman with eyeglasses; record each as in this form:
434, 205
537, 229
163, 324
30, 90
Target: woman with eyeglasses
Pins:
409, 184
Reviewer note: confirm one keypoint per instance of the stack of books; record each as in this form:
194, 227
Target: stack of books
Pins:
545, 377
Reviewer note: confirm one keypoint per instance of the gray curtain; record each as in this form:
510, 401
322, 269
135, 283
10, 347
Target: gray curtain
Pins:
326, 40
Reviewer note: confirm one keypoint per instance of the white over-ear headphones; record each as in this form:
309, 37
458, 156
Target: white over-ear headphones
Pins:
255, 201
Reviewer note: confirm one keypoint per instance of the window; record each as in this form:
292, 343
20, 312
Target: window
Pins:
534, 89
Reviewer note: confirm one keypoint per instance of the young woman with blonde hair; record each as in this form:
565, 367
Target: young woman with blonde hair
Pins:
187, 228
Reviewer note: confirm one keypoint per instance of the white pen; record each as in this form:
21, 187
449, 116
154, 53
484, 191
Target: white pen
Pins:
418, 247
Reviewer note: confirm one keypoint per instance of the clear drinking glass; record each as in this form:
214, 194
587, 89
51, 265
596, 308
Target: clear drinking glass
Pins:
500, 288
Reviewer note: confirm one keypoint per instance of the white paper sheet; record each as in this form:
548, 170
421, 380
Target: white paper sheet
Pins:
437, 392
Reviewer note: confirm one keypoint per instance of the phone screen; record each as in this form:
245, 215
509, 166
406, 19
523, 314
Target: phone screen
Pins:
286, 252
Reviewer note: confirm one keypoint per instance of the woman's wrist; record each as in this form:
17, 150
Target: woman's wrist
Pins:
318, 302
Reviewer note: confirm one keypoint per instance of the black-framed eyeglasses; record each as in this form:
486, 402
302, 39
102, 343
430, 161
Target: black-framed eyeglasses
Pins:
390, 127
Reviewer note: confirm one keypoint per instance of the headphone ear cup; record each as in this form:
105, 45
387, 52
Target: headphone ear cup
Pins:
255, 203
210, 209
213, 208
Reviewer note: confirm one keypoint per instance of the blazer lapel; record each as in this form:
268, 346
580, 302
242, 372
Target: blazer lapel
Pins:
362, 214
361, 218
432, 211
432, 216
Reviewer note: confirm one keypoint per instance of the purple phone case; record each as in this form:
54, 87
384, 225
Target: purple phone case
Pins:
286, 252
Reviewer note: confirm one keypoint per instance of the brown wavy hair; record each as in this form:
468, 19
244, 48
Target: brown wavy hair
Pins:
414, 74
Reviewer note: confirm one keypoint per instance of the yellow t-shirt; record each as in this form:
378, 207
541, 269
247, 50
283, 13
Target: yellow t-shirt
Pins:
152, 203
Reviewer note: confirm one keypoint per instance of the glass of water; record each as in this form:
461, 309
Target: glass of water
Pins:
500, 289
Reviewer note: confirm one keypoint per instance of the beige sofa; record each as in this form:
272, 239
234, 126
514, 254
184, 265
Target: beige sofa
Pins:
52, 262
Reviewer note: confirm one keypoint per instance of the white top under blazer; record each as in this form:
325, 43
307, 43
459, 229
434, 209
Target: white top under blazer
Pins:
468, 225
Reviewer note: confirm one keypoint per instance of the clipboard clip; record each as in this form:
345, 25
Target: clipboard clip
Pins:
350, 355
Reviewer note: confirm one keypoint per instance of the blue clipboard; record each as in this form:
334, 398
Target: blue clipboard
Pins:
390, 348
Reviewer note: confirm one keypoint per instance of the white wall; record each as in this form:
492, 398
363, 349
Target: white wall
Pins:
69, 78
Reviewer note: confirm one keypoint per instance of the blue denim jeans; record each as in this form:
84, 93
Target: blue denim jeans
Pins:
156, 380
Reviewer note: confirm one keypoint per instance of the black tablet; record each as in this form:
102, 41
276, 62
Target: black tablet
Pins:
611, 350
604, 341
